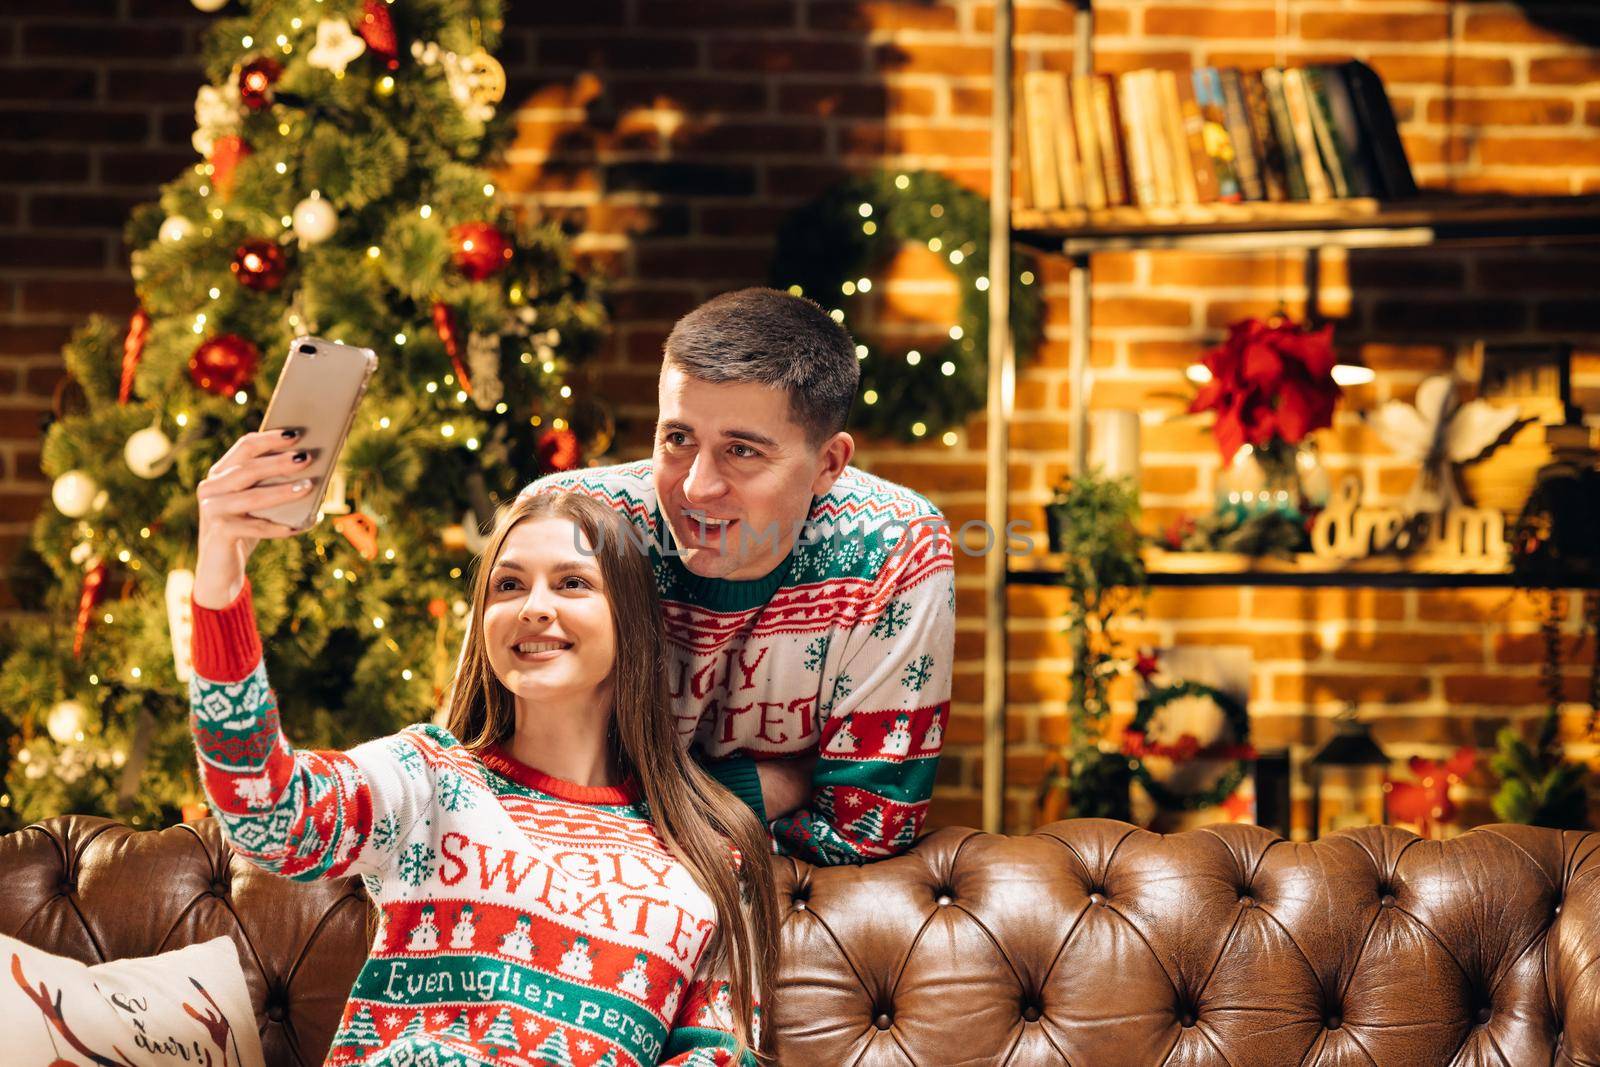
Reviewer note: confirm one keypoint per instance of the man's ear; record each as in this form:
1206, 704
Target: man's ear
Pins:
833, 457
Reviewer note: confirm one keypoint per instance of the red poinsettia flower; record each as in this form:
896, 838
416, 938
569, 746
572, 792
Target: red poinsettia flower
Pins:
1268, 382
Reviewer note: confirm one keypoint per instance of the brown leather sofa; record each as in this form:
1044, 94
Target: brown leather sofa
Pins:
1089, 942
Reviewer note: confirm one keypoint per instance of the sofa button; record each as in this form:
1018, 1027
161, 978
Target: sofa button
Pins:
1096, 898
1248, 902
1334, 1022
883, 1022
1483, 1016
1031, 1013
1187, 1019
219, 887
1388, 900
275, 1012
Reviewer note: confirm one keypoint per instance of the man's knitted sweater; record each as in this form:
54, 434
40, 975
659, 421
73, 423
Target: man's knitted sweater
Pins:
520, 915
845, 650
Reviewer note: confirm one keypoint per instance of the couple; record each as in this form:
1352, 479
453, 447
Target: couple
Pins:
573, 871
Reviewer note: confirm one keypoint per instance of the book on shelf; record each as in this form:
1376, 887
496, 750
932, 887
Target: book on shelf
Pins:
1183, 164
1305, 138
1380, 132
1108, 134
1089, 148
1270, 154
1247, 163
1218, 145
1068, 168
1135, 122
1283, 131
1194, 130
1041, 157
1167, 138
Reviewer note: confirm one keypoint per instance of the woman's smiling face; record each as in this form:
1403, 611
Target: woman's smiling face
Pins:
547, 619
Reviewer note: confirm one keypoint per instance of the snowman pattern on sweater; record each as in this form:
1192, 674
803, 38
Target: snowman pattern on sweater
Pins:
517, 944
424, 935
719, 1012
934, 738
465, 929
669, 1007
578, 961
633, 980
898, 740
844, 742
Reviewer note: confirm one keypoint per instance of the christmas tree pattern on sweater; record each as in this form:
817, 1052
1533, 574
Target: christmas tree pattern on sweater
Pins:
552, 892
846, 650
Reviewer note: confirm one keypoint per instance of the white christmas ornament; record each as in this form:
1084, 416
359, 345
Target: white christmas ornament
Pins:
315, 220
209, 6
483, 362
74, 494
176, 229
180, 621
336, 46
149, 452
216, 112
66, 720
81, 552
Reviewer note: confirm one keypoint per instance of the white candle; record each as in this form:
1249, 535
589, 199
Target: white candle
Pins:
1114, 443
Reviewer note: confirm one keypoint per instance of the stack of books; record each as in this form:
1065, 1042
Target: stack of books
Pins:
1160, 138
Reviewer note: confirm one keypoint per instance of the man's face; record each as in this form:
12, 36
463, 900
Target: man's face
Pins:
735, 474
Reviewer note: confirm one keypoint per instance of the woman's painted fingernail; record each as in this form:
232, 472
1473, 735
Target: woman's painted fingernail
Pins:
301, 457
302, 485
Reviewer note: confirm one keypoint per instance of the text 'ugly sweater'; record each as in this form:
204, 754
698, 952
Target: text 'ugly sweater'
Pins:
523, 919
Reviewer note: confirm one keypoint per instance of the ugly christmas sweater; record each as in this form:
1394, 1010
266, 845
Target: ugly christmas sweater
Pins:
845, 649
520, 915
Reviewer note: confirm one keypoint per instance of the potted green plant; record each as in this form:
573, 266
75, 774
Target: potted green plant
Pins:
1094, 524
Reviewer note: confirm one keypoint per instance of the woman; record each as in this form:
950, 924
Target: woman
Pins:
556, 880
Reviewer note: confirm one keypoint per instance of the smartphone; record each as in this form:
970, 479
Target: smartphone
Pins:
318, 391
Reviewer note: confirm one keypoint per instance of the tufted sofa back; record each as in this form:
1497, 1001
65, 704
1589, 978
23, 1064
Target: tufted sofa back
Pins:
1089, 942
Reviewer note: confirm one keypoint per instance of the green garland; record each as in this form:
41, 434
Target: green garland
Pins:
1223, 787
827, 248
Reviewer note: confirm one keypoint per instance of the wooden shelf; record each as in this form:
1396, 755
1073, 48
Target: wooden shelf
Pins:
1364, 223
1194, 569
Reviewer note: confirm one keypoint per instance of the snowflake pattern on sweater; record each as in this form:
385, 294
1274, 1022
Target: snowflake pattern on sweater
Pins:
552, 890
852, 634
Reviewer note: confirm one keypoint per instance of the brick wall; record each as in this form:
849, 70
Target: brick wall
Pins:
678, 134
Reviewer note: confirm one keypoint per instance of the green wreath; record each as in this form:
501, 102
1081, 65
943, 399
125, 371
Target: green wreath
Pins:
1239, 750
827, 251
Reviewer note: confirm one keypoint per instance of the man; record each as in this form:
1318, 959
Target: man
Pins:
810, 607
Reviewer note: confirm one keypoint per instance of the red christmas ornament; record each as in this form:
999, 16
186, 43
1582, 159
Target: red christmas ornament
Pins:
225, 156
361, 532
558, 449
133, 352
259, 264
256, 79
444, 320
223, 365
377, 29
94, 582
480, 250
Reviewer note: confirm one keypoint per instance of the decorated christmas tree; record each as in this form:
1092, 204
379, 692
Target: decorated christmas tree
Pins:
359, 1033
501, 1035
553, 1049
341, 191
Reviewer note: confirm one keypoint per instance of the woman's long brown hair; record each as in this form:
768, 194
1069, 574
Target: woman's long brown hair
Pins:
695, 815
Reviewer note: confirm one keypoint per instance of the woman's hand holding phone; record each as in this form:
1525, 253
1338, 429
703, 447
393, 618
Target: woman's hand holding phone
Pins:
228, 495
